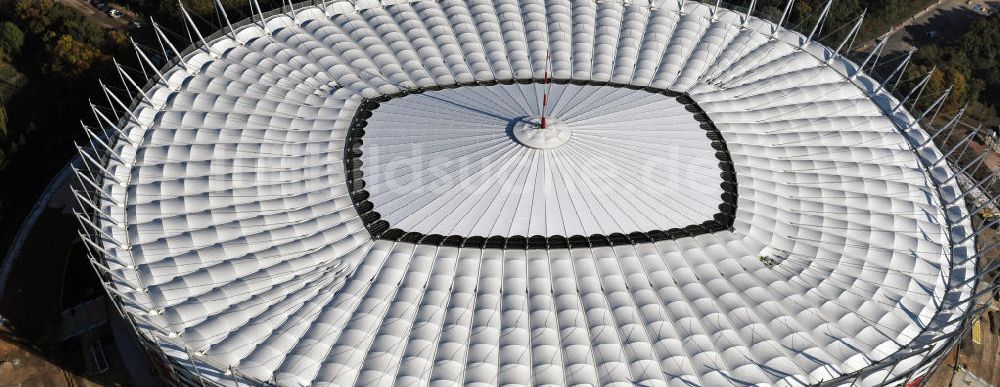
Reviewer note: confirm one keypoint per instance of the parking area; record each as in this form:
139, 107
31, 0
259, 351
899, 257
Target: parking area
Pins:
939, 23
102, 13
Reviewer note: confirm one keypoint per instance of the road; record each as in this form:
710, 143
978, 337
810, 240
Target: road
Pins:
93, 15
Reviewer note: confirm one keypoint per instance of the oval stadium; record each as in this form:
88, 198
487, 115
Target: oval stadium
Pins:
526, 192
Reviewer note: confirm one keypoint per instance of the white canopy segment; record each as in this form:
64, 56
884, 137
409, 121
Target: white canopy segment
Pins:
360, 193
474, 161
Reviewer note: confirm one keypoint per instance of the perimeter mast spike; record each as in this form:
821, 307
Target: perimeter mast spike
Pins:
875, 50
898, 68
981, 252
83, 163
854, 31
976, 210
923, 87
715, 10
95, 138
954, 148
127, 80
87, 159
974, 296
939, 101
974, 164
784, 16
120, 103
187, 17
88, 224
985, 226
163, 37
293, 14
85, 202
819, 22
159, 40
102, 117
256, 6
232, 32
102, 268
746, 18
149, 62
95, 246
938, 109
107, 95
953, 121
978, 185
919, 86
87, 181
97, 117
961, 154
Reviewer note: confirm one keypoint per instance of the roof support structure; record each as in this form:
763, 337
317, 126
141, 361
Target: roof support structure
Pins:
853, 33
255, 7
225, 16
190, 22
784, 16
919, 86
746, 18
112, 124
128, 81
162, 38
951, 124
819, 23
874, 54
899, 68
146, 59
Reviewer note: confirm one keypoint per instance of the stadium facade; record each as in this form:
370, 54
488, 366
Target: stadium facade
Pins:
363, 193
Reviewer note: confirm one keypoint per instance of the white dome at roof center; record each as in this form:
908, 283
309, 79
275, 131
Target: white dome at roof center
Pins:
530, 133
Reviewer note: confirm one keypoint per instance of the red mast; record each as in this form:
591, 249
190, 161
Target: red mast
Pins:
545, 82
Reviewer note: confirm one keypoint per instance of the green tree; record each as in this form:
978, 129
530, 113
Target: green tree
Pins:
11, 41
68, 57
36, 15
959, 90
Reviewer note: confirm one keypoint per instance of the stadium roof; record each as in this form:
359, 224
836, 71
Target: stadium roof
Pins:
716, 201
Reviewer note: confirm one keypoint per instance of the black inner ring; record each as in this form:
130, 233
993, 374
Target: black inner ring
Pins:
381, 229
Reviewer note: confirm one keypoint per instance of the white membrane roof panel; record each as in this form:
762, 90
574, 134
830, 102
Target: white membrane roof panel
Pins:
474, 161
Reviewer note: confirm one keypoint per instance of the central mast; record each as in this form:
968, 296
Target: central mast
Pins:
545, 82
